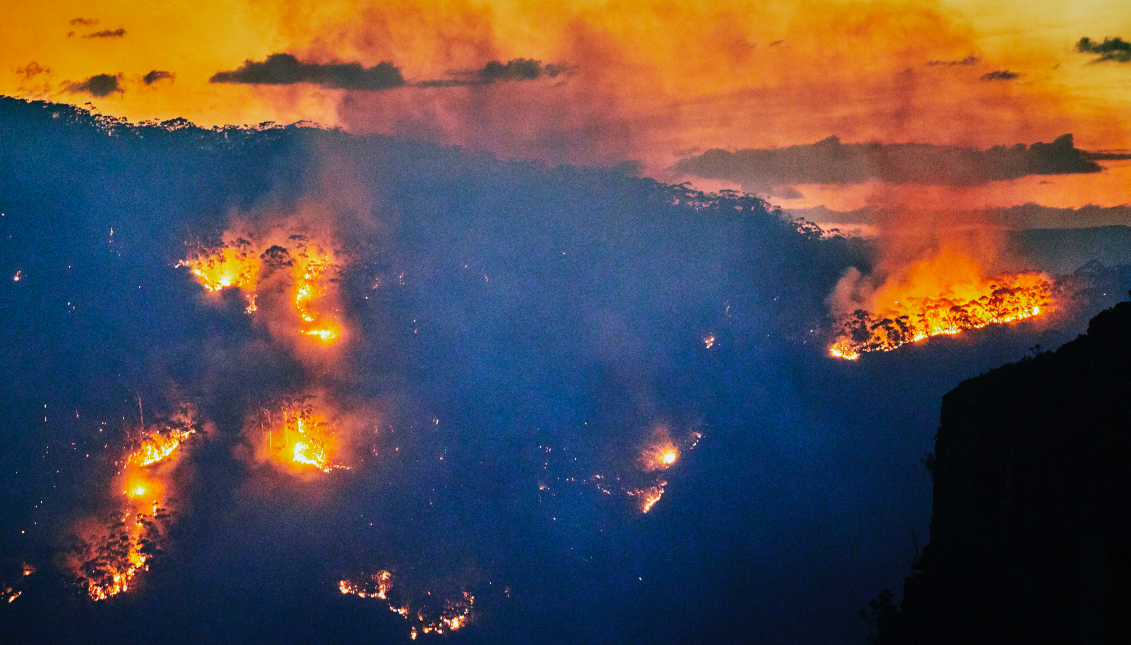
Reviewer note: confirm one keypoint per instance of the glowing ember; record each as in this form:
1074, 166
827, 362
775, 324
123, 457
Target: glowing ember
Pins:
11, 589
1007, 298
376, 585
434, 613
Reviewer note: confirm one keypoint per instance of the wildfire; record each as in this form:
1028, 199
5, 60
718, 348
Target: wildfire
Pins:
921, 307
297, 435
112, 565
231, 265
117, 550
434, 614
240, 263
649, 496
312, 272
660, 456
376, 585
157, 446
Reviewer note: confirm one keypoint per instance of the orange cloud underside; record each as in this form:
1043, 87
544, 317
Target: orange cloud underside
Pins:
652, 77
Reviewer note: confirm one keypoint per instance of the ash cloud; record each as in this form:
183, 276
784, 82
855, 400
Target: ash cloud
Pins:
84, 22
831, 162
100, 85
1111, 50
157, 75
1000, 75
107, 33
285, 69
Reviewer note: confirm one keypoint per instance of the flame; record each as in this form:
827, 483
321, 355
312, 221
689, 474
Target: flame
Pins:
649, 496
157, 446
925, 303
661, 454
239, 263
230, 265
311, 271
120, 557
113, 554
297, 436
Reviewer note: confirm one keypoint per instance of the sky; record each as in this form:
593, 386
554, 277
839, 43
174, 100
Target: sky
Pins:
646, 81
463, 327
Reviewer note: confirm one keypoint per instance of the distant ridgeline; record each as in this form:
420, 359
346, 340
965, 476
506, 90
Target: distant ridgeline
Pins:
1031, 527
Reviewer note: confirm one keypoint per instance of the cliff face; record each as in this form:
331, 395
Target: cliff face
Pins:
1031, 528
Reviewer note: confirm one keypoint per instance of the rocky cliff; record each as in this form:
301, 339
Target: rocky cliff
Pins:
1031, 526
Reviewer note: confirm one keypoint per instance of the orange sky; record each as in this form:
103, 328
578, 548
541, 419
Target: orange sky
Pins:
653, 79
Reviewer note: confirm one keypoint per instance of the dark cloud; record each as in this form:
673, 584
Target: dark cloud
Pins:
832, 162
1114, 50
519, 69
516, 69
1108, 154
107, 33
965, 62
1016, 218
84, 21
31, 70
98, 85
285, 69
1000, 75
157, 75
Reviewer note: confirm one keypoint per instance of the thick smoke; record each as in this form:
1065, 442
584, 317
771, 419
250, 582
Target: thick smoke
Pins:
525, 347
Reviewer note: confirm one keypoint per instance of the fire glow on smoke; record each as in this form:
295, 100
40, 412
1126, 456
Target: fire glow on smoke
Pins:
945, 295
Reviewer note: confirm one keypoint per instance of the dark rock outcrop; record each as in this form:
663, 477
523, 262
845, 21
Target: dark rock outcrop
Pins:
1031, 528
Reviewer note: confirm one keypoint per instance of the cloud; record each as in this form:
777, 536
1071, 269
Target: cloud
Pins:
107, 33
1000, 75
516, 69
1110, 50
157, 75
84, 21
285, 69
832, 162
965, 62
31, 70
99, 85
